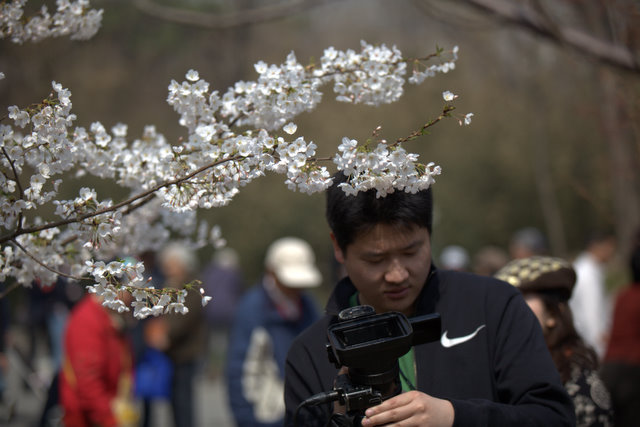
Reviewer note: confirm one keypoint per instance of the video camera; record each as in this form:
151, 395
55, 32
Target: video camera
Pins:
369, 345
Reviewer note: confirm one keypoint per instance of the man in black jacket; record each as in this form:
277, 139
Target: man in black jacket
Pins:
491, 366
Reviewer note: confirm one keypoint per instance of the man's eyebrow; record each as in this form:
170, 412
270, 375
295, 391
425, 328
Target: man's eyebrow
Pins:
412, 245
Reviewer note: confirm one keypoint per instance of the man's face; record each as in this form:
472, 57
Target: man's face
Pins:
388, 265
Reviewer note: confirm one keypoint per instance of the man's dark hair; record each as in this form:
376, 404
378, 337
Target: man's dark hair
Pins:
350, 215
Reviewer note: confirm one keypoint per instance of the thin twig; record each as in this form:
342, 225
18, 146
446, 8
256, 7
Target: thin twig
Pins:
15, 172
143, 202
11, 287
416, 133
51, 269
20, 191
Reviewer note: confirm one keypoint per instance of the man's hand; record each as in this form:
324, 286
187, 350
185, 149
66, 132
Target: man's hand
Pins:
410, 409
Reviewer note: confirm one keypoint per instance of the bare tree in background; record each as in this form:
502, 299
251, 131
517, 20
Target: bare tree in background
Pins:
241, 13
606, 32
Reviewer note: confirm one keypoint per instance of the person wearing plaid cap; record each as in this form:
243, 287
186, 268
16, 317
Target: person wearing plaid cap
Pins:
547, 284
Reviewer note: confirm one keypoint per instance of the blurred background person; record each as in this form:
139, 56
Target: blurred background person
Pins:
223, 280
53, 304
621, 365
186, 333
526, 242
590, 303
49, 305
97, 368
268, 318
488, 260
454, 257
153, 368
546, 284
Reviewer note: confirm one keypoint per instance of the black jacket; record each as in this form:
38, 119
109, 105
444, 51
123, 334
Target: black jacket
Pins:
501, 375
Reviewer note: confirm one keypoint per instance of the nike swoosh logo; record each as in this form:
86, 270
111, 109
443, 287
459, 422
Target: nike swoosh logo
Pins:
450, 342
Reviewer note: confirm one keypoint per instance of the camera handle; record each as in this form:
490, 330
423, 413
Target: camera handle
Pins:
336, 420
354, 398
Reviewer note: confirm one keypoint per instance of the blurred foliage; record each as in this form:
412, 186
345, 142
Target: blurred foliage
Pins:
533, 103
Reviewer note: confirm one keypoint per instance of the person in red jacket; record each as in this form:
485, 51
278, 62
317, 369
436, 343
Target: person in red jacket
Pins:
621, 366
97, 367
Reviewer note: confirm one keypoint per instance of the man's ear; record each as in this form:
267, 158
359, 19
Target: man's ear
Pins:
337, 251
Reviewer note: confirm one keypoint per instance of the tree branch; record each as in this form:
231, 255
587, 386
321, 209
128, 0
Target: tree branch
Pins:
218, 21
605, 51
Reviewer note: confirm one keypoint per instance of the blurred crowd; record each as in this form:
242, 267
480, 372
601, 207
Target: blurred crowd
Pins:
87, 365
105, 368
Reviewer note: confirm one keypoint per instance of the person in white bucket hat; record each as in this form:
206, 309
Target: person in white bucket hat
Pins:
292, 261
267, 319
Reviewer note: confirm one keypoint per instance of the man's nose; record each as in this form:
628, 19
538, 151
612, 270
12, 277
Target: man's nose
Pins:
396, 273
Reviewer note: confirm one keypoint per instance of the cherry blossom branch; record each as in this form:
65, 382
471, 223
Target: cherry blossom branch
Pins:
152, 294
71, 18
51, 269
150, 193
206, 169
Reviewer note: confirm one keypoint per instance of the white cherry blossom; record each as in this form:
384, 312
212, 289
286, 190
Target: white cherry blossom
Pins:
448, 96
72, 18
467, 118
232, 138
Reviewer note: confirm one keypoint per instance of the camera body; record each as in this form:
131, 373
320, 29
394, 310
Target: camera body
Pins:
370, 344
